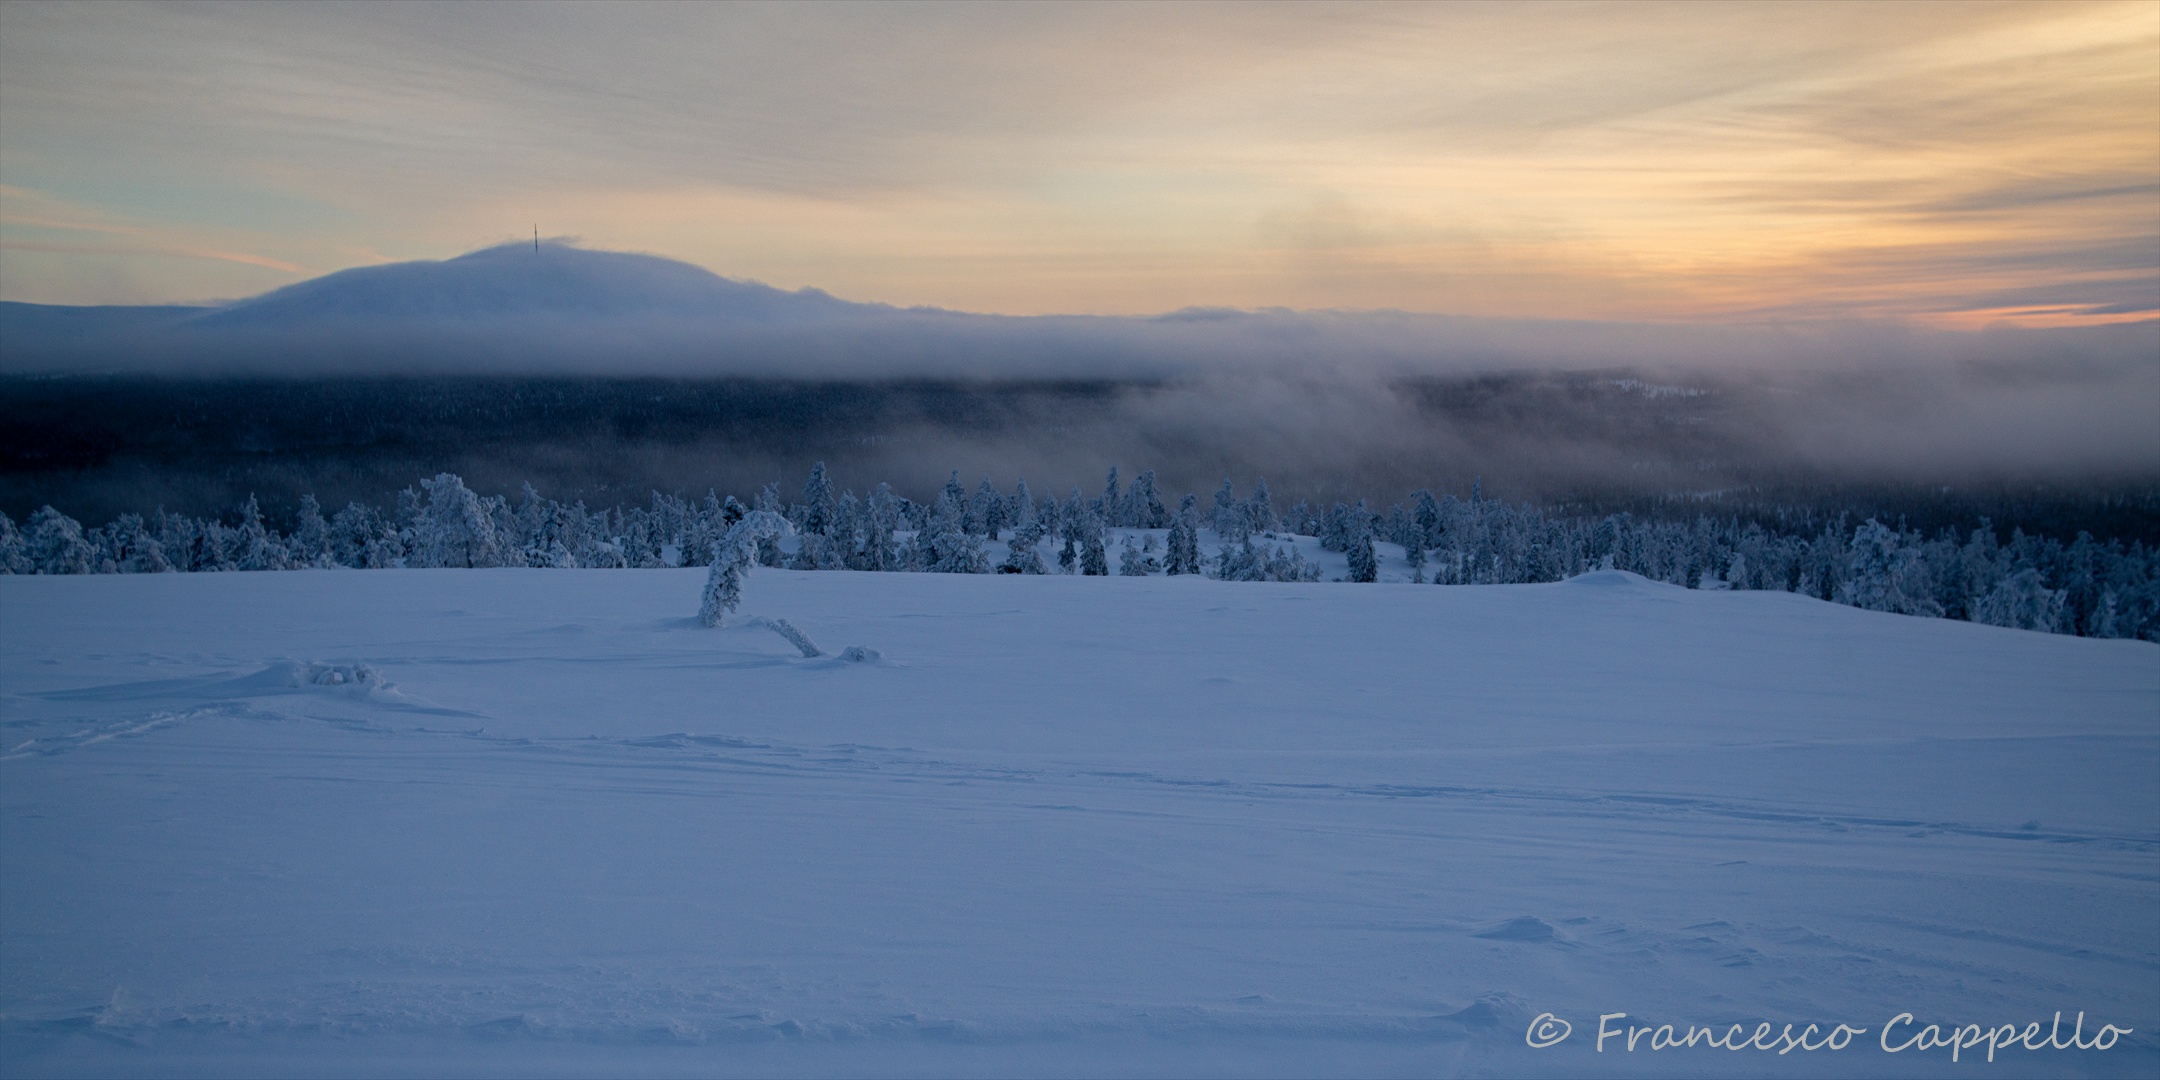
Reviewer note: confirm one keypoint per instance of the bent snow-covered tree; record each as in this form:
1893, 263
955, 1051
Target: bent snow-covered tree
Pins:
731, 560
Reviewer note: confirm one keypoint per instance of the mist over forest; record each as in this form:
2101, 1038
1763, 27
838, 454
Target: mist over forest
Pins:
1586, 442
605, 376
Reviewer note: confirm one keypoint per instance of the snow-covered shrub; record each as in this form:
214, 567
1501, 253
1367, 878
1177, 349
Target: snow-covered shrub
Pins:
1247, 561
1132, 562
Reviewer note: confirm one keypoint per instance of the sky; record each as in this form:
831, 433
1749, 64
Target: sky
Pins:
1949, 165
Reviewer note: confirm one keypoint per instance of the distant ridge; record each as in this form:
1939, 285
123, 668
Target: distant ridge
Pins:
563, 309
516, 280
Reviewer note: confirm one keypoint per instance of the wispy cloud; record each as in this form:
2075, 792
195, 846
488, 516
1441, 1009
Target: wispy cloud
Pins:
150, 251
1676, 162
43, 217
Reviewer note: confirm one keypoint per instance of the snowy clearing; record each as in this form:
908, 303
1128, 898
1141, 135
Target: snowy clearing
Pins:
541, 822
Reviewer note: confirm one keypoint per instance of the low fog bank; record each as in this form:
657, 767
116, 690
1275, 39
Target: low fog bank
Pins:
1664, 441
834, 340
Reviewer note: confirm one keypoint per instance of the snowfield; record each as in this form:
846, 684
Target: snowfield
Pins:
540, 822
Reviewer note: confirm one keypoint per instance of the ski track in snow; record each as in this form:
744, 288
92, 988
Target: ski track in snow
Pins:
460, 845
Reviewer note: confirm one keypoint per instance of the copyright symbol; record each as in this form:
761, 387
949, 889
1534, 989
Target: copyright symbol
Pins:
1546, 1030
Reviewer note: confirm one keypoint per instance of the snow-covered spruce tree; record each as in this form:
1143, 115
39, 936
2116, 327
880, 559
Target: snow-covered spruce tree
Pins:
768, 547
1396, 527
881, 519
590, 538
349, 538
1248, 561
1228, 518
1071, 527
1364, 564
54, 544
1020, 509
736, 552
732, 511
1883, 574
529, 526
1427, 516
817, 525
1239, 562
1260, 508
1113, 503
1335, 528
1287, 565
1148, 511
1183, 550
126, 547
2024, 602
847, 531
14, 558
986, 511
701, 531
2104, 622
309, 544
181, 538
1023, 556
817, 504
1094, 557
258, 548
452, 528
809, 551
943, 545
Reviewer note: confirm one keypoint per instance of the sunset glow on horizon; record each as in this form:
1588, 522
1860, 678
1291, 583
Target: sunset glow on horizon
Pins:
1949, 165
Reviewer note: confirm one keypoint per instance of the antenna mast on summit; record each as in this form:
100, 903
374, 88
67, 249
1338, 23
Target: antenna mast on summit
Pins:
536, 238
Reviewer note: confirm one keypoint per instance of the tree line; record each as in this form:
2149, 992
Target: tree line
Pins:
2082, 586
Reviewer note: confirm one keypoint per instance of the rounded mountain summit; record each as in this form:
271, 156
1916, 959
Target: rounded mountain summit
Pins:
520, 279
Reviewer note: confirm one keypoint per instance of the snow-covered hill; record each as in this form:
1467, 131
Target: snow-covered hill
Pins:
520, 281
542, 823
